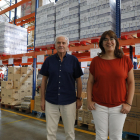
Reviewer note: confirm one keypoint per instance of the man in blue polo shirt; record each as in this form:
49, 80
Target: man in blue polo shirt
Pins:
60, 71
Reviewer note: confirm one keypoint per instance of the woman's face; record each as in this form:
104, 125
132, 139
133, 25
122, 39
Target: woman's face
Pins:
109, 44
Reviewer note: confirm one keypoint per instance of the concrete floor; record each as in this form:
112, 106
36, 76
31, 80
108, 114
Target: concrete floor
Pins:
15, 125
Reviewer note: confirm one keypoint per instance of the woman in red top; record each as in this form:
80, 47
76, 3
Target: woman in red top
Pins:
108, 97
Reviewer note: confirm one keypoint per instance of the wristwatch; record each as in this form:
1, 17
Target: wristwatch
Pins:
79, 98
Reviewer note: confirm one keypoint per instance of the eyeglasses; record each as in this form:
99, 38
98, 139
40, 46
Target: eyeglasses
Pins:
111, 39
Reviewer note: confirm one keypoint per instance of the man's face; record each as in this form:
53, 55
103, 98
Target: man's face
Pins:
61, 45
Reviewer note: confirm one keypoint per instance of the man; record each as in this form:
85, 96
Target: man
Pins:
59, 74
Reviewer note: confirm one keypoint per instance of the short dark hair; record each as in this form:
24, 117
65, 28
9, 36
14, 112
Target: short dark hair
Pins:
118, 52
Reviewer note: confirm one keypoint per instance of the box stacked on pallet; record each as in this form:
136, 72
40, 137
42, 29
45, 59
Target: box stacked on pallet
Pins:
67, 19
13, 39
84, 79
132, 123
62, 17
130, 15
45, 25
5, 86
22, 82
97, 17
37, 106
74, 23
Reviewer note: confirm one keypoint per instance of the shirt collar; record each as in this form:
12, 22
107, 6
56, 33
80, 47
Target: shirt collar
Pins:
58, 56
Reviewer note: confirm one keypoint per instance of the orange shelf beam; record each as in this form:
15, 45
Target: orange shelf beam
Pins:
13, 6
26, 21
16, 56
25, 17
129, 41
85, 59
30, 28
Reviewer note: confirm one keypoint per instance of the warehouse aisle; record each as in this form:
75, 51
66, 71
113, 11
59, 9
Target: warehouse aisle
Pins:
20, 126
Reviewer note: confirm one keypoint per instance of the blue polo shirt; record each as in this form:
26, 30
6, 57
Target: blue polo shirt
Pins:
61, 78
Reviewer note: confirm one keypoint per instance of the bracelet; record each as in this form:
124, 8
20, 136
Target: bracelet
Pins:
128, 104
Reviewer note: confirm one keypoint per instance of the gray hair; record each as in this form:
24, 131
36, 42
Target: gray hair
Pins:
62, 36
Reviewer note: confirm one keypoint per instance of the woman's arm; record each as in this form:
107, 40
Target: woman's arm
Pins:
131, 87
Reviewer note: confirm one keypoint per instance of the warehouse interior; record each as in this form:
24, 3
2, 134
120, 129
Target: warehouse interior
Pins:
27, 34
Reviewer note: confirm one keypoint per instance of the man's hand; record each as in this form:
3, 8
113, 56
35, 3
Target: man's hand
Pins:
125, 108
78, 104
43, 105
91, 105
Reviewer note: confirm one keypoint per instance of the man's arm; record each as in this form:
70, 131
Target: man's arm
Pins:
79, 91
43, 88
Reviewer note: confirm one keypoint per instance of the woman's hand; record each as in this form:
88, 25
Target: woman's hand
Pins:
125, 108
91, 105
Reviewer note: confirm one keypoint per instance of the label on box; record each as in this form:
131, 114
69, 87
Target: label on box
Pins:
80, 118
83, 64
137, 49
10, 61
24, 59
40, 58
92, 121
94, 52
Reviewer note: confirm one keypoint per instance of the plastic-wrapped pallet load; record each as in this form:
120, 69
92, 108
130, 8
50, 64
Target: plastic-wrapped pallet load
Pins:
13, 39
67, 19
97, 17
45, 25
130, 15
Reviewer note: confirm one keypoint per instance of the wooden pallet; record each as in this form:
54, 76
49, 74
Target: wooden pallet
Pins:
90, 127
18, 108
7, 106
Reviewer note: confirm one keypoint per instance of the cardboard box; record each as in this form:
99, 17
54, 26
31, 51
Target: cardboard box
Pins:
29, 92
87, 117
12, 94
138, 127
22, 95
28, 84
23, 86
17, 77
38, 100
11, 101
134, 113
130, 126
91, 119
17, 85
4, 93
84, 106
138, 100
27, 70
134, 103
6, 84
137, 74
81, 115
11, 77
137, 86
14, 70
4, 100
38, 108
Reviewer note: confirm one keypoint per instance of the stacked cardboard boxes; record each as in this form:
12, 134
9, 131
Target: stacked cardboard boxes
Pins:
132, 123
18, 86
37, 106
85, 117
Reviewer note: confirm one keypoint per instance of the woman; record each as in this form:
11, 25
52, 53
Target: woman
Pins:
108, 98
